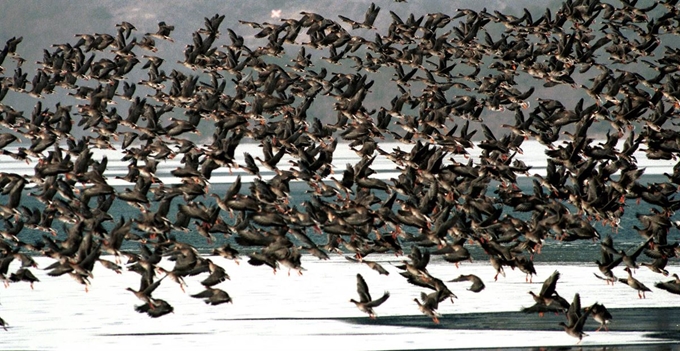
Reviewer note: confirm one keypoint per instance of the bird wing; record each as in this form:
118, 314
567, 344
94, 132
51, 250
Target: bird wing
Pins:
371, 14
641, 248
549, 285
362, 289
425, 259
574, 312
423, 297
669, 286
379, 301
462, 278
377, 267
234, 188
582, 320
303, 238
347, 20
148, 289
352, 259
536, 308
415, 255
4, 264
432, 300
205, 294
214, 278
615, 263
28, 275
60, 270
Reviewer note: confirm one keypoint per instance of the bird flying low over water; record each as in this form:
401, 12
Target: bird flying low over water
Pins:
672, 286
635, 284
373, 265
601, 315
576, 319
430, 303
477, 284
365, 303
213, 296
548, 300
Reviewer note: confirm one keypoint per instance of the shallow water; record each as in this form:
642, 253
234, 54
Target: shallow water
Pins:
312, 311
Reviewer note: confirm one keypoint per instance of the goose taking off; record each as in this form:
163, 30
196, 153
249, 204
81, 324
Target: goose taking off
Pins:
365, 303
576, 319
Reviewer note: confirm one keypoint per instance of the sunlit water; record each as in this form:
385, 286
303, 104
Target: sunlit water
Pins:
312, 311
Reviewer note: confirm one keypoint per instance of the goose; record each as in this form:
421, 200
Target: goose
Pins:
477, 284
163, 32
213, 296
23, 274
217, 275
158, 309
371, 264
145, 290
369, 18
365, 303
576, 321
429, 305
635, 284
672, 286
601, 315
227, 252
547, 298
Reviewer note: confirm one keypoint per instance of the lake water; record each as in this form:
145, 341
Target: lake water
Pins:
312, 311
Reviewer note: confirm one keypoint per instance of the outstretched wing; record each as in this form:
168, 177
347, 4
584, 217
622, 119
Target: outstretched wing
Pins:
549, 285
379, 301
362, 289
574, 312
205, 294
462, 278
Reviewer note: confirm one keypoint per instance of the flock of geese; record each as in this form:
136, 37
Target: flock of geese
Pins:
450, 73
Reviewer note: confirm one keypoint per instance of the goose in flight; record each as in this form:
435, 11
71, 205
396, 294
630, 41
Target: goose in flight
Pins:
365, 303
